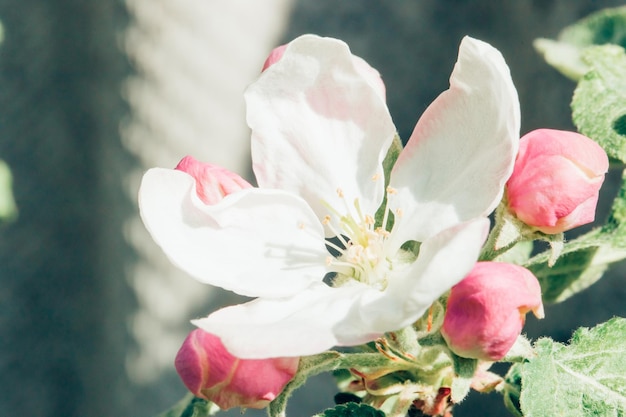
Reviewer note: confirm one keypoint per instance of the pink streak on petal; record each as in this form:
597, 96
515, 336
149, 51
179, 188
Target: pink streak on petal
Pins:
213, 182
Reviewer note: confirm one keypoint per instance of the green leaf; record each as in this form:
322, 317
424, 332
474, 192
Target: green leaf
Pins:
607, 26
599, 104
8, 209
586, 378
352, 410
584, 259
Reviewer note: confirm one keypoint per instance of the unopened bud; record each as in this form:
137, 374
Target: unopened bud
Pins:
209, 371
556, 180
487, 309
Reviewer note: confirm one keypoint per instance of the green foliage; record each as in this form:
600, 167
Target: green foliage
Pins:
191, 406
604, 27
585, 378
352, 410
8, 209
599, 104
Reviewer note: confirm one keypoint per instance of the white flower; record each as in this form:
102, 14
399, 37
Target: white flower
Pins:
320, 131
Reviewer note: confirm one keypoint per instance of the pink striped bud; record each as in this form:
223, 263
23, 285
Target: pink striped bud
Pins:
371, 75
556, 180
213, 182
209, 371
487, 309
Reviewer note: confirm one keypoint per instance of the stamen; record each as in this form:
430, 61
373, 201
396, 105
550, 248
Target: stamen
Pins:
340, 192
330, 226
375, 177
391, 190
399, 212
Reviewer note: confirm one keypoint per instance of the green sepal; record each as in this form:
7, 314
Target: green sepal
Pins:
352, 410
512, 389
464, 370
191, 406
584, 378
599, 103
606, 26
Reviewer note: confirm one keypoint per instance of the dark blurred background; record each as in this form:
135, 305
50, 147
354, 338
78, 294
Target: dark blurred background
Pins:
93, 93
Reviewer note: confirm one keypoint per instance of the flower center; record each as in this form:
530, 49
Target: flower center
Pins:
359, 250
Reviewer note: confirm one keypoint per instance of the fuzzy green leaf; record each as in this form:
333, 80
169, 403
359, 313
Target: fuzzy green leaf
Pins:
352, 410
607, 26
599, 104
585, 378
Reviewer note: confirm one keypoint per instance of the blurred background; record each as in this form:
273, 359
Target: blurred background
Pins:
93, 93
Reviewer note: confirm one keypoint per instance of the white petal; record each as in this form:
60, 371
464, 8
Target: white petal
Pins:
443, 261
310, 322
318, 125
254, 242
462, 150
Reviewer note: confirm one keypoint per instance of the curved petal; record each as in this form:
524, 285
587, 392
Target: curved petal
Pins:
322, 317
310, 322
253, 242
462, 150
443, 261
318, 126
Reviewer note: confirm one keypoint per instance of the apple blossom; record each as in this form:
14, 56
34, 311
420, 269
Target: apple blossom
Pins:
487, 309
320, 133
556, 180
210, 372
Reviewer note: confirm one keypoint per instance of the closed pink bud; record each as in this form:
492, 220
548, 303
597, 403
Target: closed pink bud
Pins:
213, 182
487, 309
556, 180
371, 75
209, 371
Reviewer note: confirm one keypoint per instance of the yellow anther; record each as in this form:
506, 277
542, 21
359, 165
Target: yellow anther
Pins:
340, 192
382, 232
326, 219
391, 190
329, 260
399, 212
369, 220
375, 177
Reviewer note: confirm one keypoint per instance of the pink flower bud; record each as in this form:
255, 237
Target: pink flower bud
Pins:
371, 75
210, 372
555, 183
487, 309
212, 182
